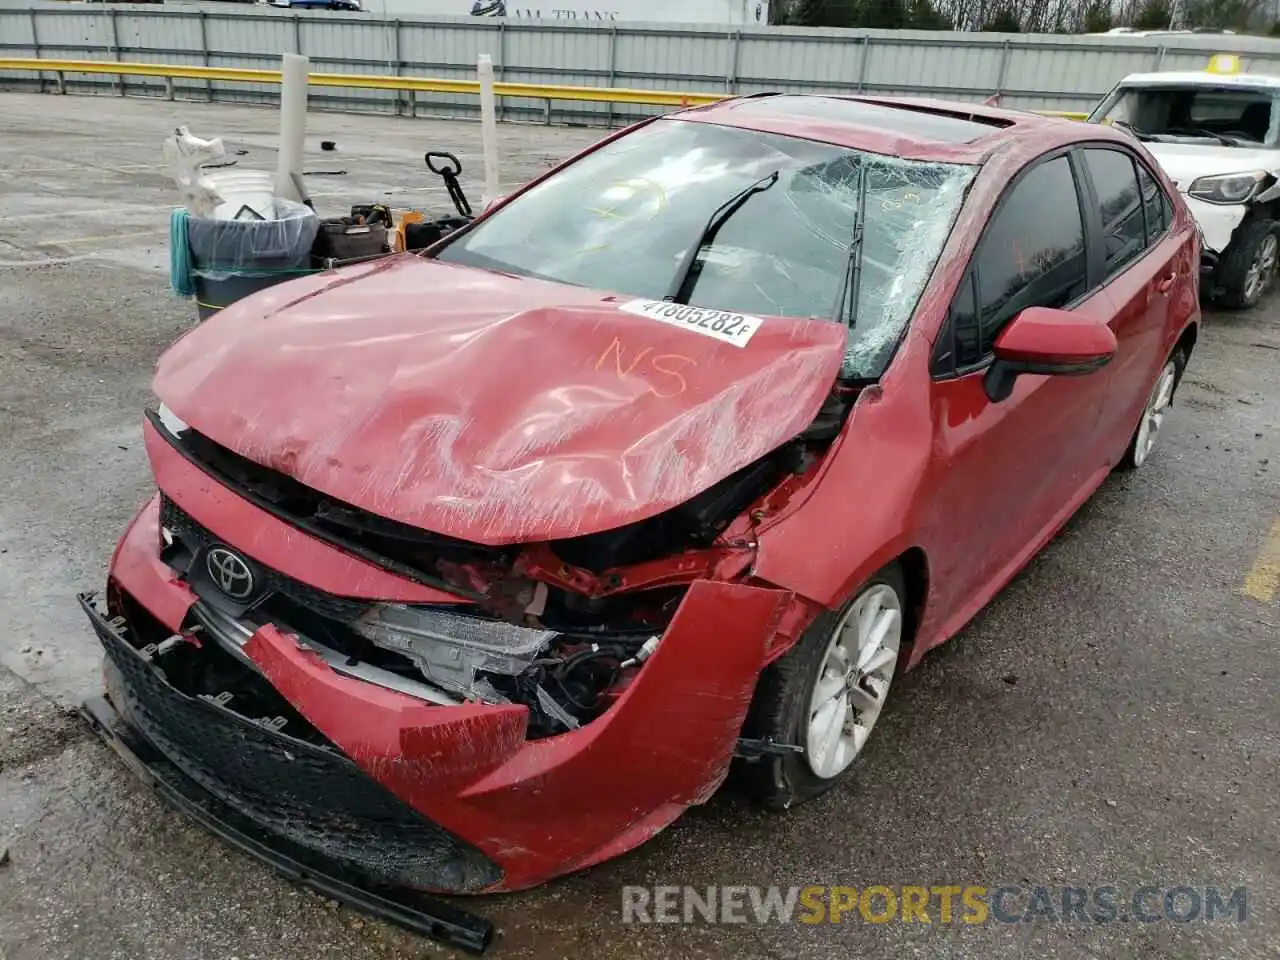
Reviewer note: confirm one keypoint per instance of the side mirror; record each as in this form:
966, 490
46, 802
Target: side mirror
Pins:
1047, 342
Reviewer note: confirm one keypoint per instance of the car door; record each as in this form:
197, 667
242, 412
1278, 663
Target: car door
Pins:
1142, 268
1003, 471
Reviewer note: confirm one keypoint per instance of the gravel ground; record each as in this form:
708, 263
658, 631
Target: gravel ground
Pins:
1112, 718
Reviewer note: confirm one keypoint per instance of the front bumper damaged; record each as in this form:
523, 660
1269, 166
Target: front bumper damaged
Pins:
236, 790
1218, 223
389, 797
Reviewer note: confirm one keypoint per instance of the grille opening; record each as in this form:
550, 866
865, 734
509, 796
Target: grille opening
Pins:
198, 667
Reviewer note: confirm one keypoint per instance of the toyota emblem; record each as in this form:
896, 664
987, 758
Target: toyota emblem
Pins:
231, 573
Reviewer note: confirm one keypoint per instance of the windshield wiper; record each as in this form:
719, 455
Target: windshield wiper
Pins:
845, 309
686, 277
1132, 129
1200, 132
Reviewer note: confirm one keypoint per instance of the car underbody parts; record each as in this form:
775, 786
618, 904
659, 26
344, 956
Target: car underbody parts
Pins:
754, 751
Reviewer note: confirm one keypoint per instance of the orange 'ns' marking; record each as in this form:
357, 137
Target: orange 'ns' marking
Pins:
616, 348
666, 365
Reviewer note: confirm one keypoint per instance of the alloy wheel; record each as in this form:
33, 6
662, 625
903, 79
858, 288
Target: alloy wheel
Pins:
1263, 268
1153, 416
853, 681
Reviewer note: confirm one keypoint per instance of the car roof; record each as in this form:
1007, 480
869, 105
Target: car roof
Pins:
1202, 78
910, 127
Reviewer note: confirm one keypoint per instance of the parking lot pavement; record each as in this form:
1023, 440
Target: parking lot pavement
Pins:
1112, 718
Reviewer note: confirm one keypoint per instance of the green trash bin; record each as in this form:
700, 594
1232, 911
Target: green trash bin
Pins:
230, 259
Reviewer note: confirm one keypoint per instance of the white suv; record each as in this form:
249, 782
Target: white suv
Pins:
1217, 136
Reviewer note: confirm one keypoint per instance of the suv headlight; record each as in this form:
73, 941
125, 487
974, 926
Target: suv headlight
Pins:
1229, 188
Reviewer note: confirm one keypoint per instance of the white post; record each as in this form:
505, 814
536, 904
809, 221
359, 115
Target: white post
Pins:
293, 123
489, 132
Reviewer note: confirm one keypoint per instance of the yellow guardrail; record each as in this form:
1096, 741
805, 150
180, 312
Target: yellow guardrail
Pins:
662, 98
536, 91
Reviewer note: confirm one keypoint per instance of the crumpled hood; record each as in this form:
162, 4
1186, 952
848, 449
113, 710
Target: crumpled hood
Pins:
491, 408
1187, 162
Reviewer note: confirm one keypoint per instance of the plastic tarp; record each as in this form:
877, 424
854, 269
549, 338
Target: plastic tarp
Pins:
251, 247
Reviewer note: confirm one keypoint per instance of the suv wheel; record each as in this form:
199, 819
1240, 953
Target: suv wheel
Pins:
1249, 265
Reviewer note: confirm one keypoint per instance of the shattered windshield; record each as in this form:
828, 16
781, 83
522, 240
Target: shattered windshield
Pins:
1224, 116
675, 201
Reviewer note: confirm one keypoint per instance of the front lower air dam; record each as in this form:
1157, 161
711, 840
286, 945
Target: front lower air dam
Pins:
378, 798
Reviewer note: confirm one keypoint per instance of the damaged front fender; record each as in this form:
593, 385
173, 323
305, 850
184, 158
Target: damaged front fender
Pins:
549, 807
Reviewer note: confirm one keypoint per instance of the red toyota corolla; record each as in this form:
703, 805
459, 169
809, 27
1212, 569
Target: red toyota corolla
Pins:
472, 569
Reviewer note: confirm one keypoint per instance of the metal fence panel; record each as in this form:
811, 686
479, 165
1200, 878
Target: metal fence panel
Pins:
1031, 72
447, 50
153, 39
18, 33
354, 45
934, 67
446, 44
73, 36
233, 41
696, 61
19, 37
582, 54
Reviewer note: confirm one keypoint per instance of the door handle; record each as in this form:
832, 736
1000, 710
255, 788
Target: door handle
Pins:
1165, 284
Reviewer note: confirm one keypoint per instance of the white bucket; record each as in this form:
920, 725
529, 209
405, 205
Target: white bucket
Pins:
240, 189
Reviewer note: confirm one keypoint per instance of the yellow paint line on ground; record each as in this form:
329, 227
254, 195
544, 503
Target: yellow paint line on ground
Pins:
72, 241
1263, 579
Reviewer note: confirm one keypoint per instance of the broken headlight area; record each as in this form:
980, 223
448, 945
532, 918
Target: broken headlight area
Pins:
565, 680
566, 677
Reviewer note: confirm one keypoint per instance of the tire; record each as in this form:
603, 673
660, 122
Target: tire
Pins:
1248, 267
782, 707
1158, 402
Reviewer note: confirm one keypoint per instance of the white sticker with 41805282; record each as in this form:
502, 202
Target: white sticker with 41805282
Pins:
735, 328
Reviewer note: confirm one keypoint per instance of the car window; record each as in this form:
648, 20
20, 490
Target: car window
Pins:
1211, 107
960, 345
625, 217
1124, 231
1168, 112
1033, 253
1153, 204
